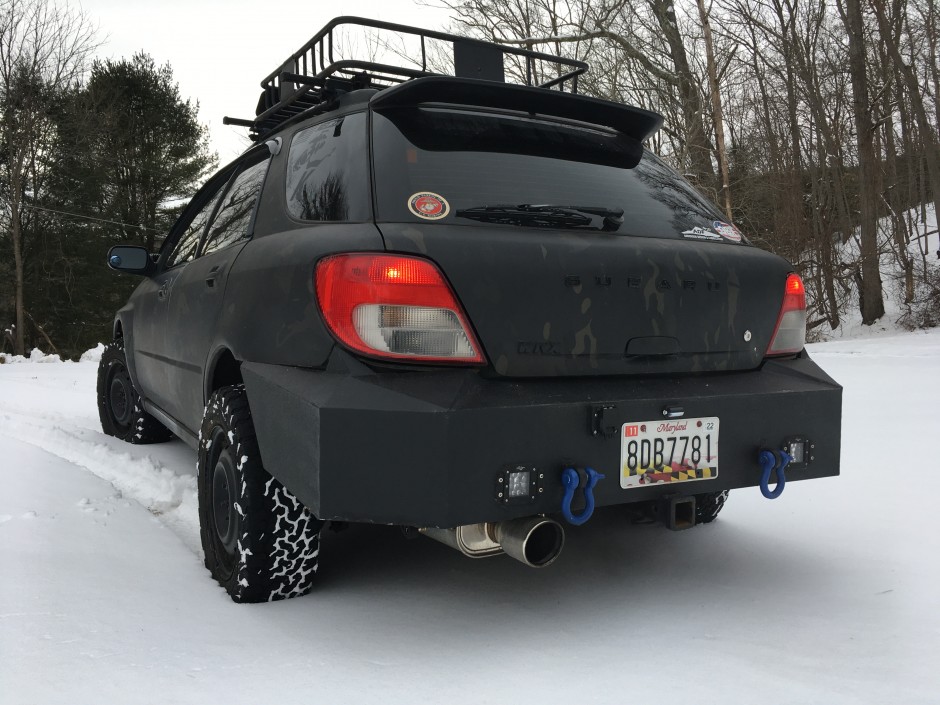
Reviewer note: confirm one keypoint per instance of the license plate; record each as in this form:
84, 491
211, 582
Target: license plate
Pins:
665, 452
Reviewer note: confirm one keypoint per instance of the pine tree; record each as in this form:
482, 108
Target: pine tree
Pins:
130, 152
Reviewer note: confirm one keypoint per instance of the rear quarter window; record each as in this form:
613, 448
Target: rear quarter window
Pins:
328, 171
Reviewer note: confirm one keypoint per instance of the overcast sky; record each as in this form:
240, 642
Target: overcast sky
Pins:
221, 49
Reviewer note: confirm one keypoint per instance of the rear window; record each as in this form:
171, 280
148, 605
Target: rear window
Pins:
469, 161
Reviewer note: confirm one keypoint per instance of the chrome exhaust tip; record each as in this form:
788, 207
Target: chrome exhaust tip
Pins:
535, 541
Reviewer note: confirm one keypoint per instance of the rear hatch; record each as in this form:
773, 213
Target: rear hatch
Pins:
569, 257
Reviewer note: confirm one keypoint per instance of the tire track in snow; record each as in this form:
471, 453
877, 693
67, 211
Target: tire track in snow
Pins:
72, 421
168, 496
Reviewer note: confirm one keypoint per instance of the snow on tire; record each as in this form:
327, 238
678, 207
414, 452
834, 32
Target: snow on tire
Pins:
708, 505
119, 408
260, 542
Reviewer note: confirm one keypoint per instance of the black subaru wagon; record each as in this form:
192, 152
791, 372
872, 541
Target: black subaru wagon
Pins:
468, 307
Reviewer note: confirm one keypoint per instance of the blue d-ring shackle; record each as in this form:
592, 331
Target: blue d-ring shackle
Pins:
571, 480
771, 460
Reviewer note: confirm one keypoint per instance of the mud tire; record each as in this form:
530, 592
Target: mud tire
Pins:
260, 543
708, 506
119, 408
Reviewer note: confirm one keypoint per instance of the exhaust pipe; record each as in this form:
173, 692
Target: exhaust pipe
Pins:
472, 540
535, 541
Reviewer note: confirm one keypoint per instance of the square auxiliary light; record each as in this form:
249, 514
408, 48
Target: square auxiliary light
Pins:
801, 449
518, 484
796, 452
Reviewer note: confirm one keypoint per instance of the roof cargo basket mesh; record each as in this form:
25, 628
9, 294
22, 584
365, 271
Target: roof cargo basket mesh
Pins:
312, 76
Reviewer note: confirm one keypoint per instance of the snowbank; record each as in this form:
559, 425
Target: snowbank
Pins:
37, 355
93, 355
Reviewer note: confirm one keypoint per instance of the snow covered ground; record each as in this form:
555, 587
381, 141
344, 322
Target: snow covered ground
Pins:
920, 250
830, 594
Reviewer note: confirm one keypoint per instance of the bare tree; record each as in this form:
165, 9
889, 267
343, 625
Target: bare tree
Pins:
717, 116
890, 25
643, 47
43, 48
870, 296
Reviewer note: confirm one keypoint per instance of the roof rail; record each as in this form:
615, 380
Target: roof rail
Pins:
310, 78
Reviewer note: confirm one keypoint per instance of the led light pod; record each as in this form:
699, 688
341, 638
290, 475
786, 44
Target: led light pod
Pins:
790, 332
394, 307
518, 485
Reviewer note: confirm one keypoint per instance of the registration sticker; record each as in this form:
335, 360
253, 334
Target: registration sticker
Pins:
428, 205
668, 451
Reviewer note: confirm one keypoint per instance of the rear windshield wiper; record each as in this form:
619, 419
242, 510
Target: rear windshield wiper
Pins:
546, 215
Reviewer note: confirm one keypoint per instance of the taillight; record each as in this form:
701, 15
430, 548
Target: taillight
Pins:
395, 307
790, 334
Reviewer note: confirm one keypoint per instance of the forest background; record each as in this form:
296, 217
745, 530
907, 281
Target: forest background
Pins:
812, 125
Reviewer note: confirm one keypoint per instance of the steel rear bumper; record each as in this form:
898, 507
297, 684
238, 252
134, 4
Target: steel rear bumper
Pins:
425, 448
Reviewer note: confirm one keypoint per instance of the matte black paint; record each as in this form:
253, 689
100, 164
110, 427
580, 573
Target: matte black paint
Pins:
424, 448
569, 320
192, 322
634, 122
557, 303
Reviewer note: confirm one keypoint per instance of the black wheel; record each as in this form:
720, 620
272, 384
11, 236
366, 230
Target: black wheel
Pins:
119, 407
708, 505
260, 542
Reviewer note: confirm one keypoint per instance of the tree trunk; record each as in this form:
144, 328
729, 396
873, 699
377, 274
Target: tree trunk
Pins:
717, 116
697, 147
872, 299
892, 194
16, 232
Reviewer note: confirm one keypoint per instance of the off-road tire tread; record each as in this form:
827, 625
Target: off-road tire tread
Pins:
708, 506
279, 539
143, 428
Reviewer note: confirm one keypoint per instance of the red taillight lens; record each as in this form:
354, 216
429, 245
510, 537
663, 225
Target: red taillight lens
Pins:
394, 306
790, 334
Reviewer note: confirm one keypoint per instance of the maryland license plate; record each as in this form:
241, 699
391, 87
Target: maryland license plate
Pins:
664, 452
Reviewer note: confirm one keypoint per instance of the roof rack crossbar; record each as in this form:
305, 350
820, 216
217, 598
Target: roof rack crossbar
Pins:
304, 79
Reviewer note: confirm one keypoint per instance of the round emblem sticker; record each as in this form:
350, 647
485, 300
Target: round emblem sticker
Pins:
429, 206
728, 232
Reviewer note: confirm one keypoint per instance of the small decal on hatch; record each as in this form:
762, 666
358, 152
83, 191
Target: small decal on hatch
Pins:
729, 232
698, 233
428, 205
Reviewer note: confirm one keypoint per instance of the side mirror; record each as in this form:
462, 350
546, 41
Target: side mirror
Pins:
133, 260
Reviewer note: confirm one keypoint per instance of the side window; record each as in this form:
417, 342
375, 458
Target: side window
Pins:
185, 248
234, 216
327, 172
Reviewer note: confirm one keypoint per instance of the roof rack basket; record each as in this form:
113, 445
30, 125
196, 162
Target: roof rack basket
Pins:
309, 79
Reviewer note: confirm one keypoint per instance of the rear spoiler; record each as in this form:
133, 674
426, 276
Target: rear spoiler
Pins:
633, 122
